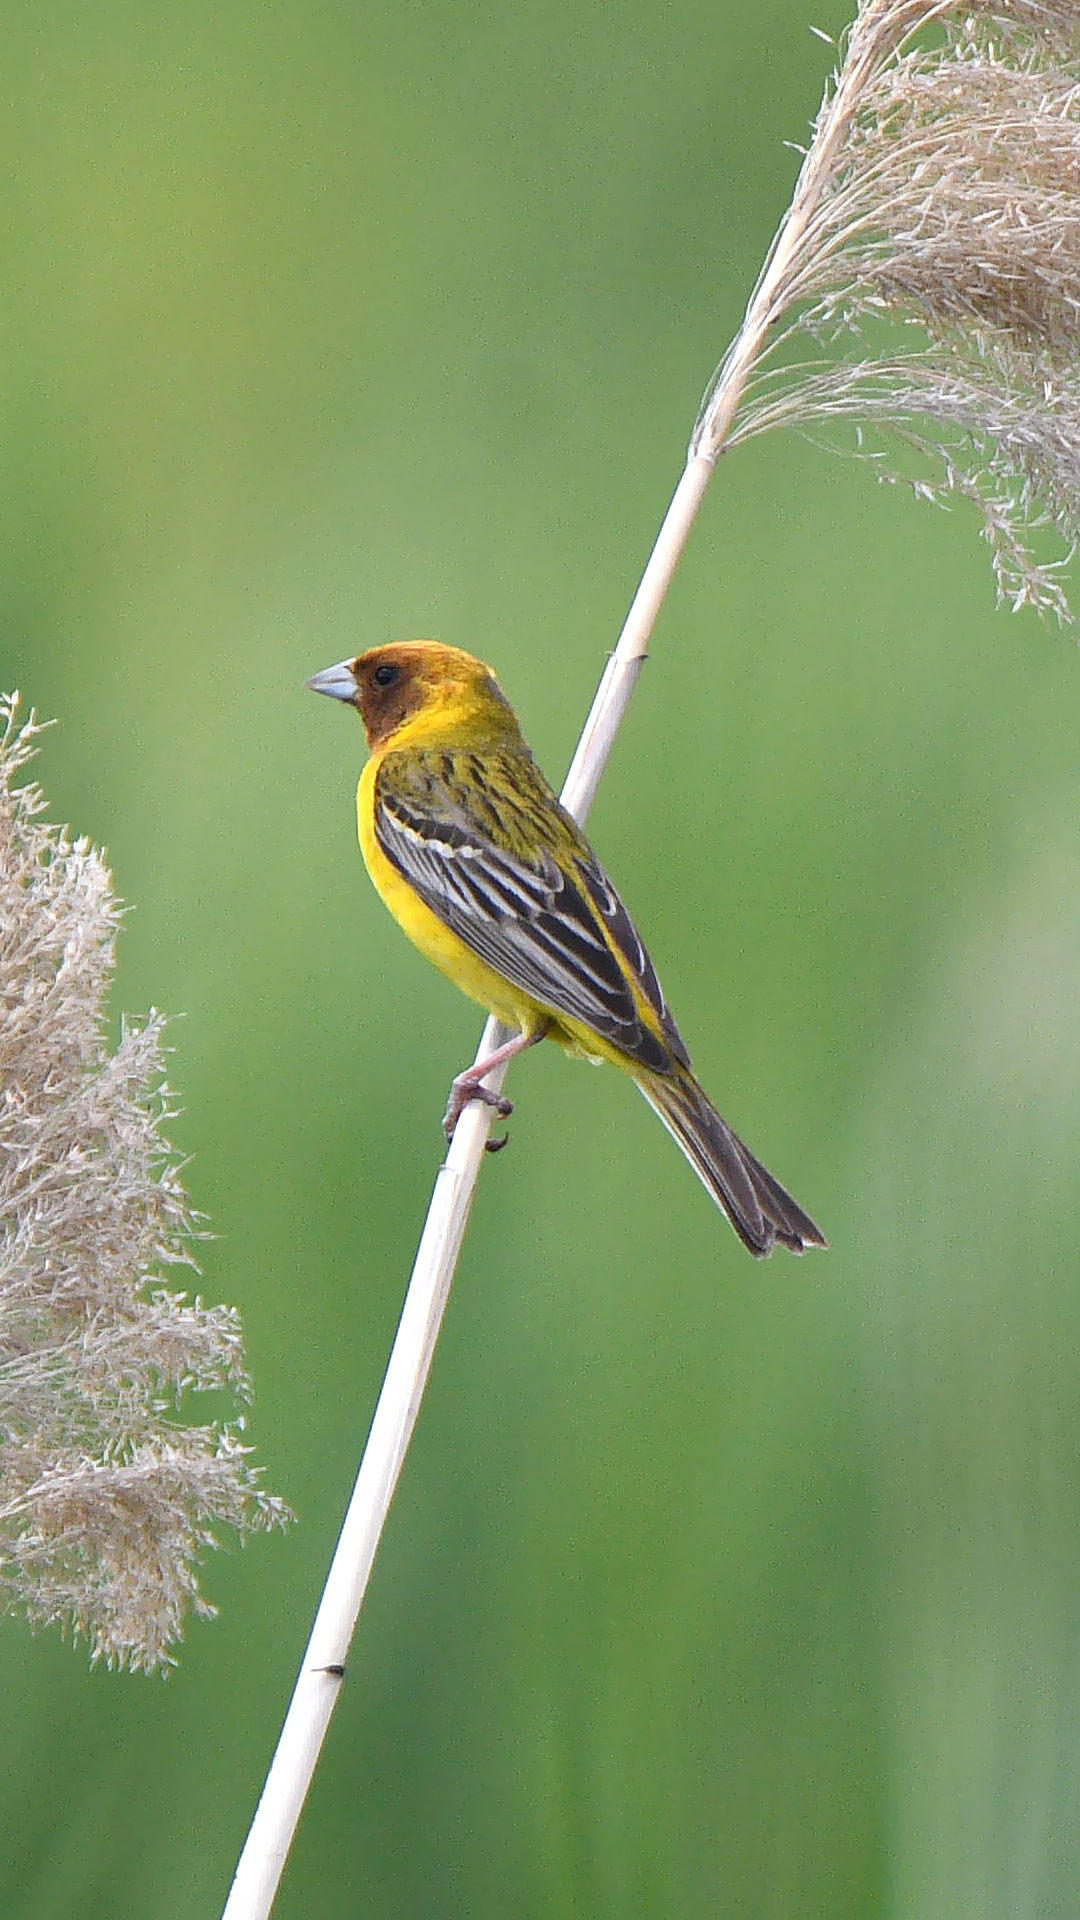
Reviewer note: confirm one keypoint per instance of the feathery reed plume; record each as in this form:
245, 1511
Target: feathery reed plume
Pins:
941, 192
107, 1498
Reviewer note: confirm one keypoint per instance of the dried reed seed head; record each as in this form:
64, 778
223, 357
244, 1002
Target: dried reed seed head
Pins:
957, 200
107, 1501
941, 191
881, 26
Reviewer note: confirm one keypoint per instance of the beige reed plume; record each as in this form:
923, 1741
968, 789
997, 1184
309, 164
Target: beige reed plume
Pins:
109, 1494
940, 198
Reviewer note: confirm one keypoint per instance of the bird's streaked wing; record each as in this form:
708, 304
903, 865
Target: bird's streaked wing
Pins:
541, 922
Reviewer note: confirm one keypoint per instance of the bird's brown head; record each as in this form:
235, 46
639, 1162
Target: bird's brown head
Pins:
420, 685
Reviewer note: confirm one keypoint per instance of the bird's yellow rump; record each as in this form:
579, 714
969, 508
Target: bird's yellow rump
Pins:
494, 881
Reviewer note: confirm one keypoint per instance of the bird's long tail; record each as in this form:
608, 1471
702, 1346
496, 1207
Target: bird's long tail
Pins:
761, 1211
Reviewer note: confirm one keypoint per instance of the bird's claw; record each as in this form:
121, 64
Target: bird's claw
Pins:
465, 1089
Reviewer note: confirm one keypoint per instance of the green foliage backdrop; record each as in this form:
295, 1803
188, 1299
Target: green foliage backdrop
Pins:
710, 1589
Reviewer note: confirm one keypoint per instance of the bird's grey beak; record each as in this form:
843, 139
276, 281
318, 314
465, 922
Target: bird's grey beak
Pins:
337, 681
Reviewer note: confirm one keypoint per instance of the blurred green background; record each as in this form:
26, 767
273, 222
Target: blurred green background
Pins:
711, 1589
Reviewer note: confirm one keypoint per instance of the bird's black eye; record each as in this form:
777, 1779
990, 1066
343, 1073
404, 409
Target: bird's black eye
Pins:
386, 674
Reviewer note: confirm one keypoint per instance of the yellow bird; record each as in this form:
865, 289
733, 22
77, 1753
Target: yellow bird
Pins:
491, 878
